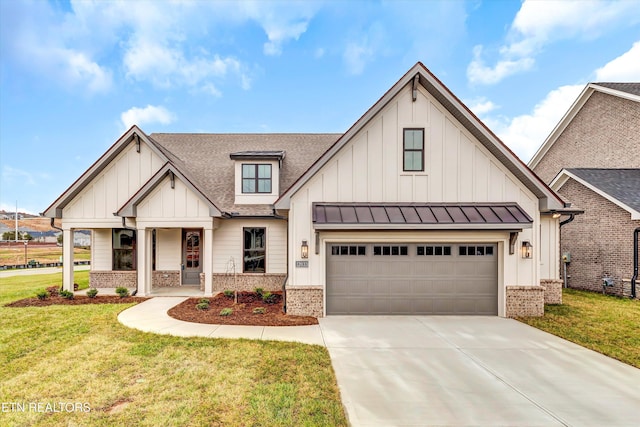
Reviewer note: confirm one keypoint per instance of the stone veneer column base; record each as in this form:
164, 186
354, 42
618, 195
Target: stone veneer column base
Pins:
305, 300
246, 282
525, 301
113, 279
552, 291
165, 278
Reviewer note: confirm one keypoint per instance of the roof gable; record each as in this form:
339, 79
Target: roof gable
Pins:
129, 209
419, 74
134, 134
629, 91
619, 186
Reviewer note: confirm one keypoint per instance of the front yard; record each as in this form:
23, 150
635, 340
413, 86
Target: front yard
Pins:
606, 324
75, 358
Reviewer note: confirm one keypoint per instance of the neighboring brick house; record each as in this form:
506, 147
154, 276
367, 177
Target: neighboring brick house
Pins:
592, 159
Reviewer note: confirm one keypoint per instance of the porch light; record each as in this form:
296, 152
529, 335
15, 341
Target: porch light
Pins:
527, 250
304, 249
555, 215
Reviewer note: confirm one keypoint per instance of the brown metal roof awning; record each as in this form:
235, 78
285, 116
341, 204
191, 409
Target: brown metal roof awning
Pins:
467, 216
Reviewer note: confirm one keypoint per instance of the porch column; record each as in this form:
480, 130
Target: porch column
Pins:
207, 254
67, 259
143, 255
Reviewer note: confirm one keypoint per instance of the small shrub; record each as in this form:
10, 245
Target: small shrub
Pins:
259, 310
91, 293
202, 306
43, 294
53, 290
203, 301
259, 291
66, 294
269, 298
228, 293
122, 291
226, 311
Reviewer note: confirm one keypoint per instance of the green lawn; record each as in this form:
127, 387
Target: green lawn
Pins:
606, 324
82, 355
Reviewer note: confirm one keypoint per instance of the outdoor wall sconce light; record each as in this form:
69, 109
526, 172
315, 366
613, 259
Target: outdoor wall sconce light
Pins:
304, 249
555, 215
527, 250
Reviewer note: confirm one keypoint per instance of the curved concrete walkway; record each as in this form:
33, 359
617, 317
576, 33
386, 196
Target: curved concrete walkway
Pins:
151, 316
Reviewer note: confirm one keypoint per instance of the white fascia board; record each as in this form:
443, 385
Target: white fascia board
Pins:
564, 176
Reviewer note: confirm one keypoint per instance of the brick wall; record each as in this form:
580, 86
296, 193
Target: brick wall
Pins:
604, 134
552, 291
525, 301
165, 278
305, 300
600, 241
113, 279
246, 282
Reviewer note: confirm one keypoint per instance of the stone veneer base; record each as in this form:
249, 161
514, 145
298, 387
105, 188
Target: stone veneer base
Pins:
552, 291
165, 278
245, 282
305, 301
113, 279
525, 301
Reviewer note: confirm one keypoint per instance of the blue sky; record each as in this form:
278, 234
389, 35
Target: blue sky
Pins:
74, 75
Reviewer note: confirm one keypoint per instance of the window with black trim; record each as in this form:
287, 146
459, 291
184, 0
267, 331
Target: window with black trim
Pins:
256, 178
429, 250
348, 250
123, 249
255, 248
413, 150
479, 250
391, 250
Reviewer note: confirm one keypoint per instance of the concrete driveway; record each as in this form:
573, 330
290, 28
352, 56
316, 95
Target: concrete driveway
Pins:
473, 371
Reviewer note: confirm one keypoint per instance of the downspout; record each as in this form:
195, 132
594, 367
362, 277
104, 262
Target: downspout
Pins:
62, 231
636, 234
564, 264
124, 225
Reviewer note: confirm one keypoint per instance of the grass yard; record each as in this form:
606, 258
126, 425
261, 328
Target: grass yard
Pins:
83, 356
10, 255
606, 324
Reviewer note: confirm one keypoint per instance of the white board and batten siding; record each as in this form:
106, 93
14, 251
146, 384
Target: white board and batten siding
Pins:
229, 240
458, 168
94, 206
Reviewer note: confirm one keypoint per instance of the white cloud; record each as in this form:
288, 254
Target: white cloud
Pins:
625, 68
147, 115
358, 53
525, 133
15, 176
480, 106
539, 23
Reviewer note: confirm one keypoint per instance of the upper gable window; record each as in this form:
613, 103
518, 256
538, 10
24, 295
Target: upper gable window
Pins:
256, 178
413, 150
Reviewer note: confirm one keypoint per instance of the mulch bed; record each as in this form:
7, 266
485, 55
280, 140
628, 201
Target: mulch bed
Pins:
77, 300
242, 312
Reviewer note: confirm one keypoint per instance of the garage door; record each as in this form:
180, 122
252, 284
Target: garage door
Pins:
384, 278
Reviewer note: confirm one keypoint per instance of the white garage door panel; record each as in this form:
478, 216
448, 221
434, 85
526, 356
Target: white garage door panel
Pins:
412, 279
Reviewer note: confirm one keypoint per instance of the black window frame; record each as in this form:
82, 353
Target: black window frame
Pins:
406, 150
123, 258
249, 254
256, 179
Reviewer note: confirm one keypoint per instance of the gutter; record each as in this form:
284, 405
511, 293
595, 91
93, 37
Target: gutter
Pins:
636, 234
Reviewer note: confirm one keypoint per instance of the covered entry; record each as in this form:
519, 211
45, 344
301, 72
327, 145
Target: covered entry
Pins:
412, 278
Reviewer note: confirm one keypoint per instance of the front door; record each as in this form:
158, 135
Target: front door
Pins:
191, 263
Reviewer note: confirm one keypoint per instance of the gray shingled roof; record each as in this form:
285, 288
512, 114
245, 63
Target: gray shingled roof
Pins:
204, 158
632, 87
621, 184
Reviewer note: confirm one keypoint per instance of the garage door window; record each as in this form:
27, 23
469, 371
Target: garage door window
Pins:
475, 250
431, 250
348, 250
391, 250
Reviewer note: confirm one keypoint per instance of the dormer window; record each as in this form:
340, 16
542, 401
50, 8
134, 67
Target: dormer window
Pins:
256, 178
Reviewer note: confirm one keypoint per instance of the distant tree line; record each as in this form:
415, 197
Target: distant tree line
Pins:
11, 235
